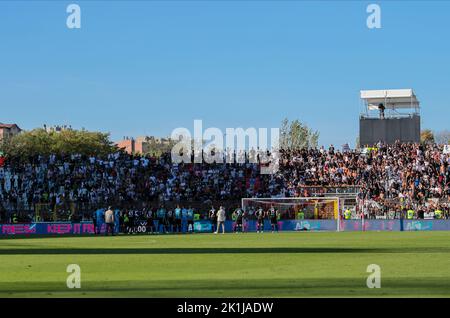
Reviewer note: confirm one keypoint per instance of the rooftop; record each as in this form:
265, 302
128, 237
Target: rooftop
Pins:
391, 99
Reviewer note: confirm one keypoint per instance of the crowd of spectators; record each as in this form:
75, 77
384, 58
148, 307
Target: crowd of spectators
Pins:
391, 176
388, 177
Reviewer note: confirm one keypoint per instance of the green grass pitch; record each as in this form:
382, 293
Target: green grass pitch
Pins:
231, 265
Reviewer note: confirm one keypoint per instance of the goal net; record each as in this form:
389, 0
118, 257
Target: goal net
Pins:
296, 208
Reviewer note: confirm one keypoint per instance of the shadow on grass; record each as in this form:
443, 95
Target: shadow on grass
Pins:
208, 250
317, 287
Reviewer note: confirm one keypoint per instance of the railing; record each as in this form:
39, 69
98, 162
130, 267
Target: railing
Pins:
330, 190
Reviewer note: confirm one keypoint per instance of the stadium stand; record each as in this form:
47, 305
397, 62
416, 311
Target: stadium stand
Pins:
390, 178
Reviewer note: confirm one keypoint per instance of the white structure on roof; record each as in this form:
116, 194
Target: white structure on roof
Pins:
391, 99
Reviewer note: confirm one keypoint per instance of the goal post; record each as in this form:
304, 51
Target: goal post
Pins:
307, 208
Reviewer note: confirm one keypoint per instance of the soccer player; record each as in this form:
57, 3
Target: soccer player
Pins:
150, 222
183, 218
260, 221
126, 223
190, 220
131, 218
221, 217
178, 219
121, 222
238, 216
94, 221
109, 220
213, 218
170, 221
161, 214
244, 220
137, 218
273, 214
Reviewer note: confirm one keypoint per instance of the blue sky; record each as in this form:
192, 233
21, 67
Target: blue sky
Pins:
147, 67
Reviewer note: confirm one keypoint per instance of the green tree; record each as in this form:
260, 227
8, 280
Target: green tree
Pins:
156, 149
40, 142
296, 135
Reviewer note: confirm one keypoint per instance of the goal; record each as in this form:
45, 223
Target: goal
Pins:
309, 208
303, 209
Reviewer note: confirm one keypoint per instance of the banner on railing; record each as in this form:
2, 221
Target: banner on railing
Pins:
204, 226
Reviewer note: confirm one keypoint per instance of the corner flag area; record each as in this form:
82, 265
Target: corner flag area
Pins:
232, 265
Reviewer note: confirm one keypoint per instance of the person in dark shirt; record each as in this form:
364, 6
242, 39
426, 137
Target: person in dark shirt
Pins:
150, 221
213, 218
273, 215
94, 222
260, 220
239, 217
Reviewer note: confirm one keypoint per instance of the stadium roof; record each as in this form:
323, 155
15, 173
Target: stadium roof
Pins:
390, 98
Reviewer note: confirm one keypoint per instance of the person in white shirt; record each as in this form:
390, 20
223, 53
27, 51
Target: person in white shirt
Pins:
109, 220
221, 217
